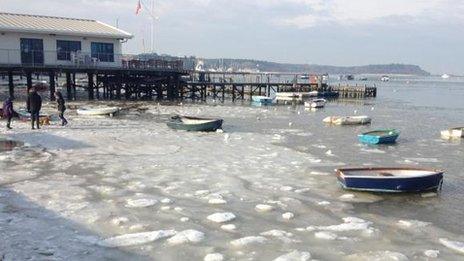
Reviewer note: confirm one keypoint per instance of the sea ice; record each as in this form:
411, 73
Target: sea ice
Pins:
213, 257
244, 241
221, 217
325, 235
378, 256
431, 253
276, 233
294, 256
186, 236
454, 245
263, 208
288, 215
217, 201
136, 239
350, 224
414, 224
229, 227
140, 203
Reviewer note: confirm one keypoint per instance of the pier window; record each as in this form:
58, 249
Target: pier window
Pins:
104, 52
64, 49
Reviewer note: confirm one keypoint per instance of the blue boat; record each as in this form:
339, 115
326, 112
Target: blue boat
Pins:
263, 100
379, 136
390, 179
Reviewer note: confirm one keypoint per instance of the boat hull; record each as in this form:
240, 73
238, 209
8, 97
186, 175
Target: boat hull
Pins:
392, 184
262, 100
367, 138
97, 111
177, 124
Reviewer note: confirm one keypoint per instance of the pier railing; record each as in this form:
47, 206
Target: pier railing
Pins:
79, 59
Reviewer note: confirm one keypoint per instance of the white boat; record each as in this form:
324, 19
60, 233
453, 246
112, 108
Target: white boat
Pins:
315, 103
453, 133
348, 120
98, 111
294, 96
445, 76
385, 78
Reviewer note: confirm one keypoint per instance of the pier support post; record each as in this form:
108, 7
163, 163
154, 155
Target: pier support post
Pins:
10, 84
90, 85
29, 81
51, 75
68, 86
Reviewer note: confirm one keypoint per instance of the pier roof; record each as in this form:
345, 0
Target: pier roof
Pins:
25, 23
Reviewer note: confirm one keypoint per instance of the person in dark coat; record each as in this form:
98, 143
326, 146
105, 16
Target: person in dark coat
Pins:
8, 111
34, 104
61, 108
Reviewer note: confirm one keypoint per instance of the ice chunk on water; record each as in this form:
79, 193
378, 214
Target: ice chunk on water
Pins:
228, 227
323, 203
454, 245
431, 253
166, 201
213, 257
294, 256
186, 236
350, 224
221, 217
378, 256
325, 235
288, 215
414, 224
244, 241
136, 239
217, 201
263, 208
141, 203
276, 233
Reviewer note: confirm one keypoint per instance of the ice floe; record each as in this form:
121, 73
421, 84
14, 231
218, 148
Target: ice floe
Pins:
186, 236
412, 224
264, 208
245, 241
136, 239
214, 257
221, 217
431, 253
325, 235
378, 256
294, 256
288, 215
141, 203
229, 227
454, 245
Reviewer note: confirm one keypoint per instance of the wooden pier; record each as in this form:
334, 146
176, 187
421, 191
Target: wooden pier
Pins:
167, 80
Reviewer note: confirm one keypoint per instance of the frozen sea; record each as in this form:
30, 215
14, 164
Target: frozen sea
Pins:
129, 188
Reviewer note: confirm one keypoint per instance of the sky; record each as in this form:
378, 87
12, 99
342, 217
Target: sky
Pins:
429, 33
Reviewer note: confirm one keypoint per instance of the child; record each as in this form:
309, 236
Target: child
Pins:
61, 108
8, 111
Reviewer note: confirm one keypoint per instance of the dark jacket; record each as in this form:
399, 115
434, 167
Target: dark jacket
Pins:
61, 104
34, 102
8, 108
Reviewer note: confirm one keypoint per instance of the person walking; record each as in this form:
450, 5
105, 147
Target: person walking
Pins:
61, 108
8, 111
34, 104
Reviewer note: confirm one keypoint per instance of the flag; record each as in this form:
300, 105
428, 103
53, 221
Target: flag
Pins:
138, 8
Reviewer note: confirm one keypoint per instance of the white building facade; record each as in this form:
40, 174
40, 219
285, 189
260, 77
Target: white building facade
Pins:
55, 41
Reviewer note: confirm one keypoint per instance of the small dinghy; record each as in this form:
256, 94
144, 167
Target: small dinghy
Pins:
194, 123
348, 120
379, 136
98, 111
453, 133
315, 103
390, 179
264, 100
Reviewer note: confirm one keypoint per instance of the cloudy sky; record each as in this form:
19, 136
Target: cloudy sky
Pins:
429, 33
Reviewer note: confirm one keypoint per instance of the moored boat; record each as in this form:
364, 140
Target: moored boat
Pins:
188, 123
457, 132
262, 99
379, 136
98, 111
315, 103
390, 179
348, 120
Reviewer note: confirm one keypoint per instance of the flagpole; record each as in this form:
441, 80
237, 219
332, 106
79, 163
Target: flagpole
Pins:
151, 13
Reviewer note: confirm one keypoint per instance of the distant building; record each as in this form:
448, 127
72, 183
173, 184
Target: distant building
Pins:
49, 41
